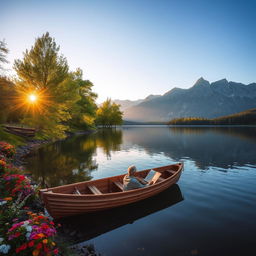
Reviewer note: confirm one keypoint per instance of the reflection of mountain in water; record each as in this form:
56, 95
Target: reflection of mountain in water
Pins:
71, 160
90, 225
208, 146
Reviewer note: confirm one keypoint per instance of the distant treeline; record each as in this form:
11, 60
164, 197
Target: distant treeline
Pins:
242, 118
125, 122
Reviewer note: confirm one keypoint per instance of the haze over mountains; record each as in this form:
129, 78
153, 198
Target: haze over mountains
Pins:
124, 104
203, 99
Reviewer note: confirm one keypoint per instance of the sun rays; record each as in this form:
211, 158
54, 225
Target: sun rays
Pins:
31, 101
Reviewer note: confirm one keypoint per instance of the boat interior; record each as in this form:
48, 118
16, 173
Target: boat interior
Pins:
112, 184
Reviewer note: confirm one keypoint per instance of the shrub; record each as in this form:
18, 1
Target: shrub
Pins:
7, 149
21, 232
15, 184
3, 165
34, 236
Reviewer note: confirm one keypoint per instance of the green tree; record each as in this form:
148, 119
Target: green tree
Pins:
7, 91
8, 96
109, 114
3, 53
84, 111
44, 72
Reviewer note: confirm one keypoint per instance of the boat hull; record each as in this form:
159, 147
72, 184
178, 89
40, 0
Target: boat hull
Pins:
61, 204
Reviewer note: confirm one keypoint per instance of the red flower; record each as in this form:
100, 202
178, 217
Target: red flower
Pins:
23, 247
56, 251
39, 246
17, 234
31, 243
46, 249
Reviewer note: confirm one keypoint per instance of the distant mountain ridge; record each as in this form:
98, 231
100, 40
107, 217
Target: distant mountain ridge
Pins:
203, 99
124, 104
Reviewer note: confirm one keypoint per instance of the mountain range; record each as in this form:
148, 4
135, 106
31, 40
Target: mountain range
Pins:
203, 99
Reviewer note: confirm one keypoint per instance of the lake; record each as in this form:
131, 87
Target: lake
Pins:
212, 210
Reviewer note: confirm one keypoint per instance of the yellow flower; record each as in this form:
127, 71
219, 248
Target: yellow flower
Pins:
35, 252
53, 244
45, 241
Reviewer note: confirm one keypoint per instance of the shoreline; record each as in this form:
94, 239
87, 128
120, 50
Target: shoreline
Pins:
25, 150
33, 144
19, 161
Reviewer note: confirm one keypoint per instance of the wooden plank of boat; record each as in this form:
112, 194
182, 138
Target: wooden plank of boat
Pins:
94, 190
119, 185
106, 193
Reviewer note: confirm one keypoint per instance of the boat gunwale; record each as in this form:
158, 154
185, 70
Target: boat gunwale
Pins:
50, 193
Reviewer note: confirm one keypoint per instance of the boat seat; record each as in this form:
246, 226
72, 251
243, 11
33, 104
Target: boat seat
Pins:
171, 171
76, 191
94, 190
119, 185
160, 179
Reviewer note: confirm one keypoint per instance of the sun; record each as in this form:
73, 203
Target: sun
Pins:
33, 101
32, 98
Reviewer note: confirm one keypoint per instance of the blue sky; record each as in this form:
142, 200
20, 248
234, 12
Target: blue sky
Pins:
130, 49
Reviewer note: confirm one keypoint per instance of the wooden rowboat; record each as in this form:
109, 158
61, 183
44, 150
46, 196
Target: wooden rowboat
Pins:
21, 131
93, 224
106, 193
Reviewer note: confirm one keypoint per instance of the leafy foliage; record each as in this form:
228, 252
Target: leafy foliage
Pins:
84, 111
64, 98
8, 95
45, 72
109, 114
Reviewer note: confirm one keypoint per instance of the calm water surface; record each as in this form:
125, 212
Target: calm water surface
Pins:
212, 210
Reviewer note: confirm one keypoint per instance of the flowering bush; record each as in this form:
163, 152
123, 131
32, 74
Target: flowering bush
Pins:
4, 248
2, 166
21, 233
14, 184
7, 149
31, 237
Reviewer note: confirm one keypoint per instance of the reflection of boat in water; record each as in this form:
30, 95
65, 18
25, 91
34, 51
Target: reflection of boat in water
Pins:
90, 225
102, 194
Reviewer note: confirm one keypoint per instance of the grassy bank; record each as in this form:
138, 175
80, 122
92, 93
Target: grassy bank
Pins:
11, 138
